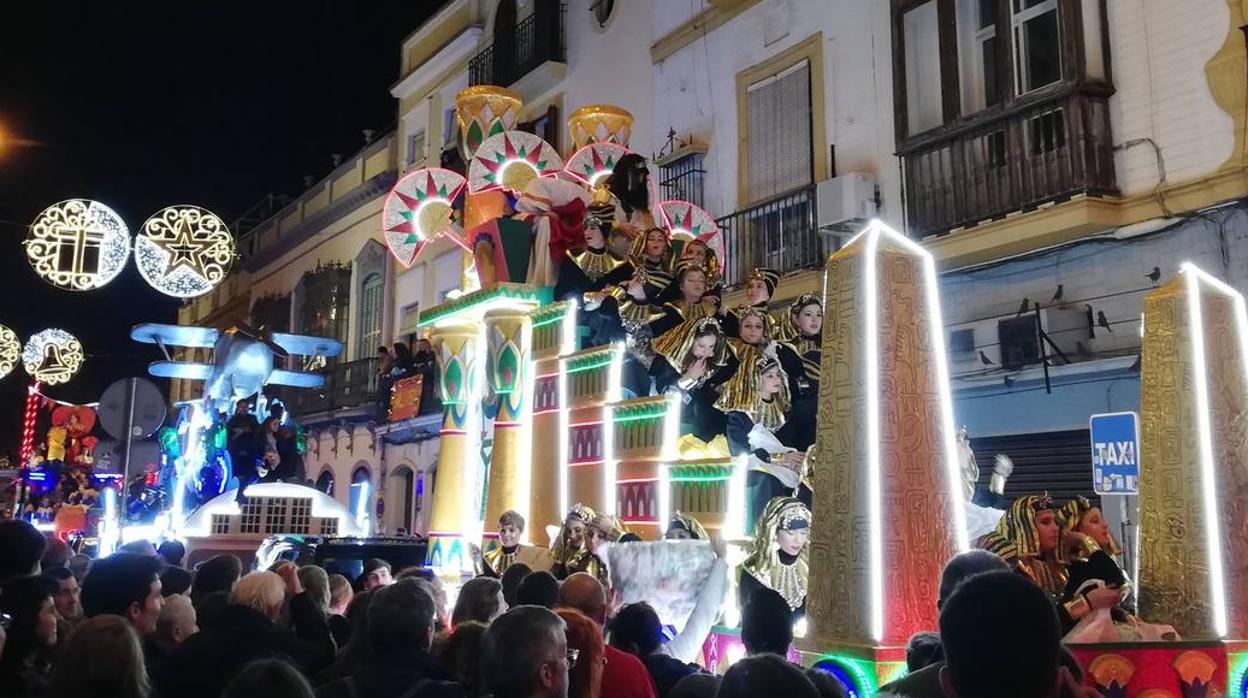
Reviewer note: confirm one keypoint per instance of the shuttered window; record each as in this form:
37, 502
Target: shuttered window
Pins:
370, 317
779, 133
1057, 462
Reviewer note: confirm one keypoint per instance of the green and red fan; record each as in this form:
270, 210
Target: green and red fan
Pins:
593, 162
420, 209
510, 160
686, 221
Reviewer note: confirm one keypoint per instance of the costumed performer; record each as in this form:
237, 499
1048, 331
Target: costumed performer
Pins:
590, 266
687, 643
555, 209
630, 193
778, 555
801, 357
624, 308
694, 361
683, 527
604, 528
570, 539
697, 253
510, 551
984, 509
760, 286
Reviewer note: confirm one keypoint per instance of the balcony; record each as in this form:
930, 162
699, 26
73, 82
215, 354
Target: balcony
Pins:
538, 38
780, 233
1040, 150
353, 386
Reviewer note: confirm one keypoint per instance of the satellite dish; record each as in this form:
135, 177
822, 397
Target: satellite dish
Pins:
110, 456
149, 408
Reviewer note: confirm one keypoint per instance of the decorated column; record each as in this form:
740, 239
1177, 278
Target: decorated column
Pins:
1194, 454
454, 518
483, 111
509, 332
888, 503
600, 123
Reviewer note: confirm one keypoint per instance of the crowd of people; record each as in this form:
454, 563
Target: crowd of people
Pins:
399, 362
263, 451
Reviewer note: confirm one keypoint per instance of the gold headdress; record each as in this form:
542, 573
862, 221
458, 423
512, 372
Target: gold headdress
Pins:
609, 526
763, 562
1071, 515
560, 549
711, 262
745, 311
741, 392
770, 278
1017, 535
637, 253
690, 524
676, 345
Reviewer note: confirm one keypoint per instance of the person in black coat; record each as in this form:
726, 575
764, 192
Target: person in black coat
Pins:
247, 630
802, 358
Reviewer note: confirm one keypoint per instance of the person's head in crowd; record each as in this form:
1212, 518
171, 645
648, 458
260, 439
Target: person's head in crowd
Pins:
684, 527
68, 596
177, 621
402, 355
585, 637
585, 593
80, 564
459, 653
376, 574
826, 684
209, 607
765, 675
139, 547
760, 285
126, 585
629, 537
102, 659
696, 686
172, 552
526, 655
383, 353
512, 577
217, 573
340, 593
1001, 637
510, 529
480, 599
175, 581
636, 629
923, 649
314, 581
57, 554
263, 592
538, 589
964, 565
21, 547
270, 678
435, 585
32, 630
424, 346
766, 624
400, 620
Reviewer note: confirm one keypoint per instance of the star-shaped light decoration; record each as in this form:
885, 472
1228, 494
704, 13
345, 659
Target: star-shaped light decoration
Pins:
184, 251
10, 350
52, 356
78, 244
595, 161
510, 160
418, 209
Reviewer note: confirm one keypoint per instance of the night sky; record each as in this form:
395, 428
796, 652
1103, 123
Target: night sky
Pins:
143, 105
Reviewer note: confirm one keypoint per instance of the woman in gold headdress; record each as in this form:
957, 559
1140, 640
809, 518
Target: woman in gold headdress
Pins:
694, 252
625, 308
760, 286
778, 554
1028, 539
755, 402
571, 539
694, 361
604, 528
684, 527
801, 355
591, 267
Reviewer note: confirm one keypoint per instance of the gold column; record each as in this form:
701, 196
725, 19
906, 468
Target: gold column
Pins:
600, 123
885, 439
455, 512
483, 111
509, 333
1194, 455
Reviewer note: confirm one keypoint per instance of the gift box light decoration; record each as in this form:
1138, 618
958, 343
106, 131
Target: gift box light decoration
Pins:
52, 356
184, 251
419, 209
510, 160
78, 244
10, 350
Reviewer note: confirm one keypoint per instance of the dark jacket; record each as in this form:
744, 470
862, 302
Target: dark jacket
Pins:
667, 671
204, 664
924, 683
411, 674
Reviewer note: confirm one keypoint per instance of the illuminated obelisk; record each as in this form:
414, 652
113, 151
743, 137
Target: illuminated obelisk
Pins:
509, 334
1193, 541
888, 508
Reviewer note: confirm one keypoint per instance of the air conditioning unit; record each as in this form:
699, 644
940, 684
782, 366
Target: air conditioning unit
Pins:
845, 203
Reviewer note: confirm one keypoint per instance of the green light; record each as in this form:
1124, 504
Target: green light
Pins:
589, 367
1236, 677
861, 671
589, 361
466, 303
549, 314
700, 473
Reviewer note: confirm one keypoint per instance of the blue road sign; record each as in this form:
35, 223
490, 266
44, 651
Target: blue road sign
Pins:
1116, 453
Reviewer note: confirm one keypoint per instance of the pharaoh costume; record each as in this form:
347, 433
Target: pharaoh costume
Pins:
673, 354
770, 279
562, 551
769, 566
1017, 541
800, 355
590, 562
688, 524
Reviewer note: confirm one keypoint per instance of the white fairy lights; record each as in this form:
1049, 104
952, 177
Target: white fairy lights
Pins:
52, 356
184, 251
10, 350
78, 244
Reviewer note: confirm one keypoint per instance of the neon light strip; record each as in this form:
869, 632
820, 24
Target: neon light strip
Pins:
448, 432
542, 412
875, 534
705, 478
614, 394
595, 423
639, 522
582, 463
665, 495
565, 431
638, 480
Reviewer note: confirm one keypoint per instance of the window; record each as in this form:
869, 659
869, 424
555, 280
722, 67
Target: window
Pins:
962, 344
220, 524
250, 521
778, 131
682, 178
321, 301
415, 149
977, 54
921, 36
602, 11
361, 485
1037, 44
1018, 342
325, 483
409, 319
329, 525
275, 515
300, 515
370, 315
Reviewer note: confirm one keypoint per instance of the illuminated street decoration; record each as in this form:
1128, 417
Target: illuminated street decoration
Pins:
419, 209
10, 350
184, 251
52, 356
688, 221
78, 244
510, 160
595, 161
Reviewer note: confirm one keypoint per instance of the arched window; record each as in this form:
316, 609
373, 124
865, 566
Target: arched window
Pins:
361, 490
325, 483
370, 315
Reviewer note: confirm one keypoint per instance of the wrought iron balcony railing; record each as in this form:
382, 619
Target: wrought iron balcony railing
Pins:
538, 38
781, 233
354, 384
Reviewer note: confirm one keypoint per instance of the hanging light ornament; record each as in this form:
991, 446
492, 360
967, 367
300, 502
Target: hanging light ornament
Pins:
78, 244
52, 356
184, 251
10, 350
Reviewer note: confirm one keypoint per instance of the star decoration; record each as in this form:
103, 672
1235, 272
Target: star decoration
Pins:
184, 251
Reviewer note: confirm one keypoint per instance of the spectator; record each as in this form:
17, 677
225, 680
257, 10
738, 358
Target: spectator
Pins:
340, 594
480, 599
585, 637
67, 599
459, 654
384, 361
176, 623
826, 684
57, 554
511, 580
246, 630
696, 686
766, 624
270, 678
316, 583
353, 653
172, 552
376, 574
31, 634
139, 547
80, 564
526, 655
538, 589
425, 363
175, 581
400, 633
923, 650
624, 676
126, 585
636, 629
403, 361
767, 675
21, 547
217, 573
102, 659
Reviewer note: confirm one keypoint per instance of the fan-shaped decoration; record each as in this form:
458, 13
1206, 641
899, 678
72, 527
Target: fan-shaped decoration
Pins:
1111, 672
418, 209
10, 350
184, 251
52, 356
594, 161
687, 221
510, 160
86, 417
78, 244
1193, 666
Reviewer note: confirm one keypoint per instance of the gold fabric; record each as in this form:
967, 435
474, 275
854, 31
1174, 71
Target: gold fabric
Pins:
595, 264
690, 524
763, 562
589, 563
560, 551
676, 344
741, 391
1069, 517
1017, 541
538, 559
498, 559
